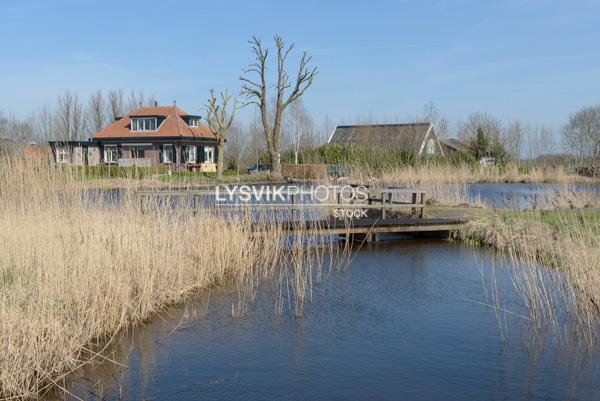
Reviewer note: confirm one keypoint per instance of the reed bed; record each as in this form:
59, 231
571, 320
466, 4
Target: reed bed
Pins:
465, 173
555, 260
78, 268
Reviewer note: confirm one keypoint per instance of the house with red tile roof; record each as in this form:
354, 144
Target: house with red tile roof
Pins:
148, 136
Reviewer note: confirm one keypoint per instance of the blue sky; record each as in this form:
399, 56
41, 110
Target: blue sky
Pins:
537, 61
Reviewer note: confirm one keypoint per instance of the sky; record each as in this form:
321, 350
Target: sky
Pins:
537, 61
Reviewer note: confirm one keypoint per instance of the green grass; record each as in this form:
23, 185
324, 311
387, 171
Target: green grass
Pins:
563, 222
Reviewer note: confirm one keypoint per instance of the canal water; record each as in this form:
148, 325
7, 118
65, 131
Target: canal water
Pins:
403, 321
521, 196
495, 195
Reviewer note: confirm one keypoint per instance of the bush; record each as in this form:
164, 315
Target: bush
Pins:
375, 159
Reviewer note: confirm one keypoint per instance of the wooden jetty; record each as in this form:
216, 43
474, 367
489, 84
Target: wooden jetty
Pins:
383, 211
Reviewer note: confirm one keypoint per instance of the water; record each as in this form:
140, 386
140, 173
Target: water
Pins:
520, 196
402, 321
497, 195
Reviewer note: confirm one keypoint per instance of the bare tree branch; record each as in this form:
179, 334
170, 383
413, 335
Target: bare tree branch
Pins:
255, 91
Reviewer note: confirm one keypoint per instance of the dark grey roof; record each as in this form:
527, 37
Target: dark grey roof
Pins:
407, 137
455, 144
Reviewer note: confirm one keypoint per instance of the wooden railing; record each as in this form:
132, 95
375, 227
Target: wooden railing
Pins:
382, 199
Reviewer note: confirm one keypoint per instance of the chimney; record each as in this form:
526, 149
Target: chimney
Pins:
174, 103
155, 103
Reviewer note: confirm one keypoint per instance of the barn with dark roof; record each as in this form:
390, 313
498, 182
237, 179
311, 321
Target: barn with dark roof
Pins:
416, 138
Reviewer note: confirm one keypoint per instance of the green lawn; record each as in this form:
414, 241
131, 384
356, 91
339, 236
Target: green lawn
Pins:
562, 221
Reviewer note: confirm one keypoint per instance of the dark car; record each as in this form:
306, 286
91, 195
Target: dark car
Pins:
258, 168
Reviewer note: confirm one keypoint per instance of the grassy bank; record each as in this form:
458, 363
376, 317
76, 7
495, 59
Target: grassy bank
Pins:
74, 272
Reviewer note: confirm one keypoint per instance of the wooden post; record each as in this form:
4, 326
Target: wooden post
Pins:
194, 205
422, 205
414, 202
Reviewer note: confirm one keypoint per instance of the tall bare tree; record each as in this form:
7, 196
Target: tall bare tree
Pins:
219, 116
256, 92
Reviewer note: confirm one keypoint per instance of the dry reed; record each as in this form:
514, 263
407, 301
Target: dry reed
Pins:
555, 261
77, 268
446, 173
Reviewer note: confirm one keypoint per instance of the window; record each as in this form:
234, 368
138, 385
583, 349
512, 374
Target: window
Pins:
61, 155
168, 155
189, 154
137, 152
110, 154
143, 124
209, 154
194, 122
430, 146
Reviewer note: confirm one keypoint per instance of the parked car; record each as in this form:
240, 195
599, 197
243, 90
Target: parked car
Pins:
258, 168
487, 161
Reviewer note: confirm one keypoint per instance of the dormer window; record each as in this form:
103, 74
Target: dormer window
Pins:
194, 122
143, 124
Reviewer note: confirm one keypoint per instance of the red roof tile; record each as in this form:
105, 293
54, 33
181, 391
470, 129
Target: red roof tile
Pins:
172, 126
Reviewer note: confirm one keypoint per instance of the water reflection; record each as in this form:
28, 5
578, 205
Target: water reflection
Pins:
403, 321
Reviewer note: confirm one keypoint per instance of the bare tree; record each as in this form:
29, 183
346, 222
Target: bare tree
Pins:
96, 113
581, 135
299, 127
237, 144
219, 115
70, 117
115, 104
432, 114
135, 101
256, 92
12, 127
513, 139
45, 124
546, 142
